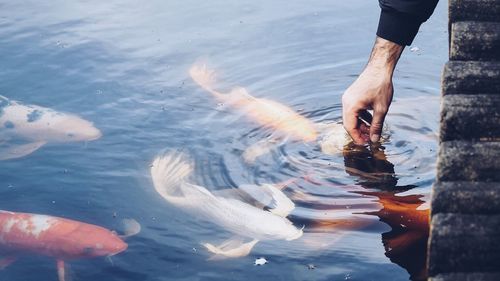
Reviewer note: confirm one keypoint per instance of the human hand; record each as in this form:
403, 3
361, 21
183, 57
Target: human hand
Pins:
372, 90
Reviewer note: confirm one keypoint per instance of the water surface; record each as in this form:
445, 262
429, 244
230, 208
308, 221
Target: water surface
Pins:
124, 66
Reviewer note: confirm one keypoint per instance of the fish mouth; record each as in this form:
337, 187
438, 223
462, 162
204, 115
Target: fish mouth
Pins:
118, 250
95, 136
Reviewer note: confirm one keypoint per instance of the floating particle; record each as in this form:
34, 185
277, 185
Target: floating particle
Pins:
260, 261
414, 49
311, 266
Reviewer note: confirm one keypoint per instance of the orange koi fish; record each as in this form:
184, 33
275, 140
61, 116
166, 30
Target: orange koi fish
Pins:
62, 239
265, 112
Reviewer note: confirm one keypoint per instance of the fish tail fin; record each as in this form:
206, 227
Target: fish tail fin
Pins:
168, 173
205, 77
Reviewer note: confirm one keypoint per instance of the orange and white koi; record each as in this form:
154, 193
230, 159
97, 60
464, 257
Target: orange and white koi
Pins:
60, 238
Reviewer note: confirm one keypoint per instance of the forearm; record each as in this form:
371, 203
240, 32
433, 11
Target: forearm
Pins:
384, 57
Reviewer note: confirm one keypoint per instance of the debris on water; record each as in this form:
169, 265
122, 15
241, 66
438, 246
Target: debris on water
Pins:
260, 261
194, 249
115, 214
347, 276
311, 266
98, 92
53, 201
10, 185
414, 49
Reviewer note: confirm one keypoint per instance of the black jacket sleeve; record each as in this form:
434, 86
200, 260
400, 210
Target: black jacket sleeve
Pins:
400, 19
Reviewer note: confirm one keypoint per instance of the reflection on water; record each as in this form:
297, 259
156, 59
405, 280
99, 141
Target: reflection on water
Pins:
124, 66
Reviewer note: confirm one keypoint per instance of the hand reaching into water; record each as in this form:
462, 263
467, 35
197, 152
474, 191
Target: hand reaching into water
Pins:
371, 91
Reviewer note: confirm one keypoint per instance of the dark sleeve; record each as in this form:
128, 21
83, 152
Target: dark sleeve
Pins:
400, 19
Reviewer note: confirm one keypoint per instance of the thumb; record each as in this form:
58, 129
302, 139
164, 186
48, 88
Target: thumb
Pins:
377, 124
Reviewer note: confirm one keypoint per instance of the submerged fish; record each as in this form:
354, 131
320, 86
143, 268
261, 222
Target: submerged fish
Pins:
267, 113
286, 123
26, 128
169, 174
63, 239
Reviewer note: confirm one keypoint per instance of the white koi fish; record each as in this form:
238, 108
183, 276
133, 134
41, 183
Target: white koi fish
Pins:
169, 173
26, 128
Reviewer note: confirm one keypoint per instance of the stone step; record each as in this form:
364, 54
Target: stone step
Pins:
476, 10
475, 41
470, 117
466, 198
464, 243
474, 276
468, 161
471, 77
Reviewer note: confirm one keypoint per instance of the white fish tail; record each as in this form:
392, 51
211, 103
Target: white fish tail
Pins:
168, 173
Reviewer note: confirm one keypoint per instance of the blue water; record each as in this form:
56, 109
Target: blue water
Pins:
123, 65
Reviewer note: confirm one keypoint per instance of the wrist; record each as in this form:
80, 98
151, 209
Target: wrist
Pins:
384, 57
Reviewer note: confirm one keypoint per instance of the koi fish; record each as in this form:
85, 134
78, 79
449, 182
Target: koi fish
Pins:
60, 238
286, 123
26, 128
267, 113
169, 173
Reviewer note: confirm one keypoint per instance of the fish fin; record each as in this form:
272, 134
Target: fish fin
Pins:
5, 262
270, 196
232, 248
168, 173
18, 151
258, 149
281, 205
63, 272
132, 227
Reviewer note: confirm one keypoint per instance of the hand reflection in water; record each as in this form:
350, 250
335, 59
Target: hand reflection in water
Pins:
406, 243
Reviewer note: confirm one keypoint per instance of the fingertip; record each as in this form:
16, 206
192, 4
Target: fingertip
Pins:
375, 137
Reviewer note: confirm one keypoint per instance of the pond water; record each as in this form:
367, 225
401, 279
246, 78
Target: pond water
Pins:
123, 65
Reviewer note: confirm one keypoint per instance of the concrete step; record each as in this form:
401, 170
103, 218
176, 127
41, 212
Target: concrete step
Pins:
469, 161
471, 77
464, 243
474, 276
474, 10
470, 117
475, 40
482, 198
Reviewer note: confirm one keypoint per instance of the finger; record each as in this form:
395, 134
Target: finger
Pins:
350, 121
377, 124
